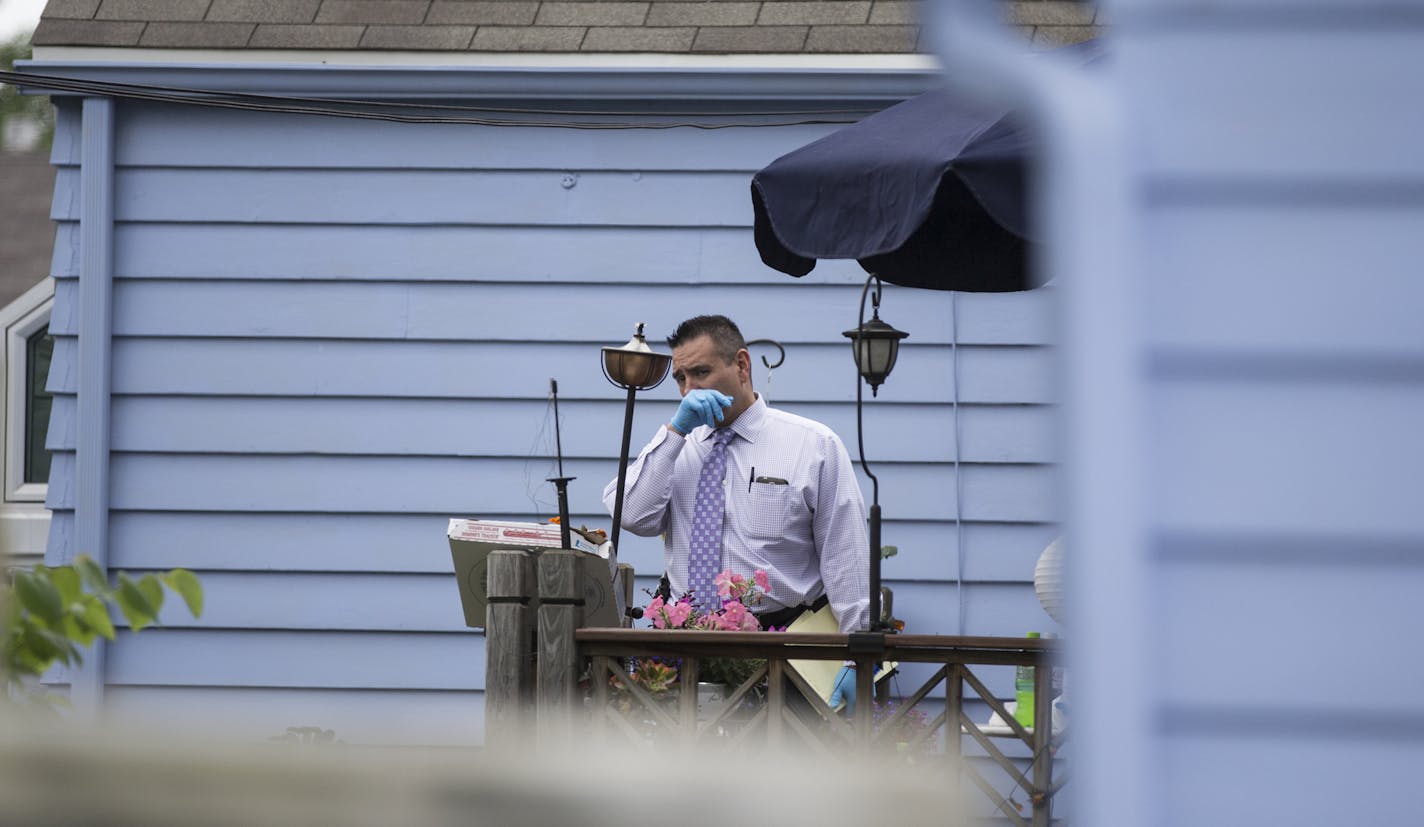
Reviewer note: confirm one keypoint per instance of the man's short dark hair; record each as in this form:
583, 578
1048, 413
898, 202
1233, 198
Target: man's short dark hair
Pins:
726, 336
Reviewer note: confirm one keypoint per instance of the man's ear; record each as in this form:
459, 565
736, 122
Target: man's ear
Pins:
744, 364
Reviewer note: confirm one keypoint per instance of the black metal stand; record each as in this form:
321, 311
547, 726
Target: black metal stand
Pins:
562, 484
877, 623
622, 468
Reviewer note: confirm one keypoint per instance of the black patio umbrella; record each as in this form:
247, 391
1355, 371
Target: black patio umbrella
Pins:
927, 193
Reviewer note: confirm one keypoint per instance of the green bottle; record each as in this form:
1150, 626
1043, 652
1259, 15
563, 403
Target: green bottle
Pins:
1023, 692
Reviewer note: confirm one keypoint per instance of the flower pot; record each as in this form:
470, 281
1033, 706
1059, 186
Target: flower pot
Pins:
711, 697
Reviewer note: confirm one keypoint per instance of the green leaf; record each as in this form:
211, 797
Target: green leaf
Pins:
26, 663
96, 615
45, 647
67, 580
152, 589
38, 595
11, 607
93, 575
186, 584
137, 609
77, 630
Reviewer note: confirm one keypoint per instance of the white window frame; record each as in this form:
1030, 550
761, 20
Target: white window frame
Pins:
24, 521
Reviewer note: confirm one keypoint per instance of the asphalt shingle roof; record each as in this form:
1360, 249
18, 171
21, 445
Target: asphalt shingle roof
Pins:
664, 26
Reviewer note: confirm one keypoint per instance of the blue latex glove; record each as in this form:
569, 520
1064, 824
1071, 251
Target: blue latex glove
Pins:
702, 406
844, 689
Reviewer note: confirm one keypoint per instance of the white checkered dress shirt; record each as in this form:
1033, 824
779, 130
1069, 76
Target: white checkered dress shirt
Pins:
809, 534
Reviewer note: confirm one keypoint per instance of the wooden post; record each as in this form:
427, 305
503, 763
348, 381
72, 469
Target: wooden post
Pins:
509, 648
560, 614
623, 583
776, 703
1042, 738
953, 730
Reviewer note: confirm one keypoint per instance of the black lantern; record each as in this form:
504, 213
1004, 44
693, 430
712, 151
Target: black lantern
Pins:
875, 346
636, 367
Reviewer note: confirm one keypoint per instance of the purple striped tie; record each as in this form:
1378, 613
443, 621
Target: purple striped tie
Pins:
704, 556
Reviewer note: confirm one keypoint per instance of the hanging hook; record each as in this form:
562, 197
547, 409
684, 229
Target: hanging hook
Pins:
781, 351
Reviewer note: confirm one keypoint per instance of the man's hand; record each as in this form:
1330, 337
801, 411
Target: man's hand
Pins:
844, 689
700, 407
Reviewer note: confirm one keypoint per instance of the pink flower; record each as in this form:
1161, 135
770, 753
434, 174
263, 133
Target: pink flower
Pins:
731, 617
657, 612
710, 622
736, 592
678, 614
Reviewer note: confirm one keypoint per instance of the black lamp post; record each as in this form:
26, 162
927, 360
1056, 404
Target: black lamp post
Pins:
875, 346
636, 367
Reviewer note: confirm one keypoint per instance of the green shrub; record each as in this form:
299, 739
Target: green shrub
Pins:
52, 613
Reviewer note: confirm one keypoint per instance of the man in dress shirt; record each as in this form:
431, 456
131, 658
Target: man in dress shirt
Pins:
792, 504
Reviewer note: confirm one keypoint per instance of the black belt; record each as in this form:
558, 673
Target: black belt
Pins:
782, 618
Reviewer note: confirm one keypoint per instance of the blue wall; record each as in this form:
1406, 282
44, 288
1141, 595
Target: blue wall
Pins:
329, 336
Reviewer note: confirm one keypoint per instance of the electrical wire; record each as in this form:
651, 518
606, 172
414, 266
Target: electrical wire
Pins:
539, 452
379, 110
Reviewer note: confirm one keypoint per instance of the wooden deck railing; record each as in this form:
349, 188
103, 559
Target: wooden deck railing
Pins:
565, 680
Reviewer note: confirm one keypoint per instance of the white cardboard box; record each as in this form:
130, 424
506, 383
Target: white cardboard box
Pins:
471, 541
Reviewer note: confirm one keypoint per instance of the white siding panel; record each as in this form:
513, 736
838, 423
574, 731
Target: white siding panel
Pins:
454, 486
378, 717
1289, 456
415, 543
522, 370
1292, 635
522, 428
379, 542
321, 601
1007, 375
1004, 552
64, 261
1028, 318
1270, 105
155, 135
304, 660
404, 196
453, 427
1308, 277
1241, 778
451, 253
789, 311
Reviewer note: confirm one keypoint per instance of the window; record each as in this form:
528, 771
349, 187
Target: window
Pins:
39, 347
24, 369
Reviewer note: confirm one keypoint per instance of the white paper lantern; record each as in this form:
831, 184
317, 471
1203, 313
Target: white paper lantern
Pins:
1048, 579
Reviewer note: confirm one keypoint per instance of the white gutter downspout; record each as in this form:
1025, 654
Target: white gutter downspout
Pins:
96, 286
1084, 203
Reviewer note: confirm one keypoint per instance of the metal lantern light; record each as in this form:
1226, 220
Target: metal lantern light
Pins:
636, 367
875, 346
